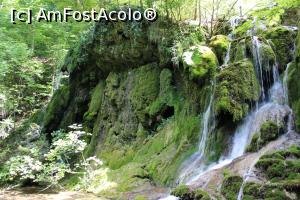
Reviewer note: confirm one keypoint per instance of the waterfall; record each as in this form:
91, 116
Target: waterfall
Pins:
285, 83
234, 22
56, 81
227, 57
275, 109
195, 163
2, 106
258, 63
273, 105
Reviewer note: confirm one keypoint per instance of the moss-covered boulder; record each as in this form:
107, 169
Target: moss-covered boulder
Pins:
220, 44
282, 40
237, 86
238, 49
269, 131
201, 195
281, 165
280, 170
256, 48
185, 193
200, 62
265, 191
94, 105
231, 186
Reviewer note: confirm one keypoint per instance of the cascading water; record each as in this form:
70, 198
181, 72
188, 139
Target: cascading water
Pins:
57, 79
227, 57
275, 109
234, 22
273, 106
258, 63
195, 162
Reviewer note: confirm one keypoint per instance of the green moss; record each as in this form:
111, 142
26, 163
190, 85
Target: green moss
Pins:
231, 186
242, 30
166, 94
140, 197
129, 177
95, 104
55, 108
238, 49
281, 165
294, 84
218, 141
253, 146
219, 44
268, 56
254, 191
145, 89
200, 62
282, 40
269, 131
183, 192
201, 195
237, 86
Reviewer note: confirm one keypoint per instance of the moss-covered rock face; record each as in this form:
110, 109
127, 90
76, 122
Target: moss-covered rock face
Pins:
237, 87
281, 169
269, 131
200, 62
255, 48
281, 165
56, 107
231, 186
185, 193
220, 44
294, 84
268, 191
283, 42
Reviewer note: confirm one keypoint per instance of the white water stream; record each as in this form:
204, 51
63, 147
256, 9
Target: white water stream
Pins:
194, 164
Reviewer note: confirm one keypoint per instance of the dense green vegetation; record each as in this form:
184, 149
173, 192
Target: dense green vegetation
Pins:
116, 108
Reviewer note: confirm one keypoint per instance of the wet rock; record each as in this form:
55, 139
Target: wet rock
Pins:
200, 62
220, 44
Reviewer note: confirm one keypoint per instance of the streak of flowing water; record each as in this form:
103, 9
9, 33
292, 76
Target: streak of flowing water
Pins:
227, 57
256, 45
234, 22
285, 83
195, 162
56, 81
